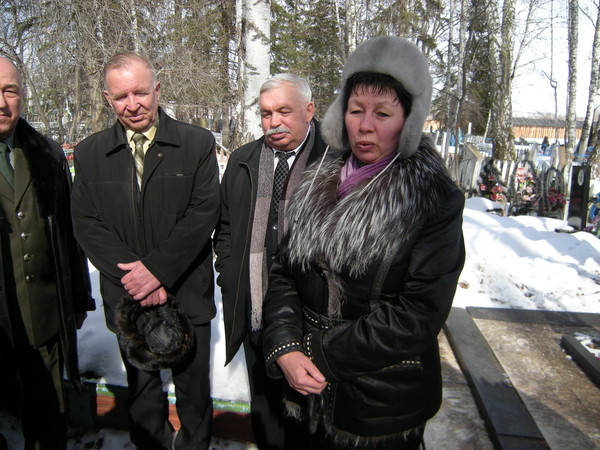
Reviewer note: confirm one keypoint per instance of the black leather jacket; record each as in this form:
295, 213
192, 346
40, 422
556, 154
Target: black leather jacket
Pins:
379, 349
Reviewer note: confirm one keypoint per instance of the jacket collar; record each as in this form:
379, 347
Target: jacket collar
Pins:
167, 133
348, 235
43, 163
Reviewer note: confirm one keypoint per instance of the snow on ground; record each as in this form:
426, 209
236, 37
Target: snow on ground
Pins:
522, 262
512, 262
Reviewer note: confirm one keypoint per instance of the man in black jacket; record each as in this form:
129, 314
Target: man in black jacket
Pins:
259, 181
145, 203
44, 279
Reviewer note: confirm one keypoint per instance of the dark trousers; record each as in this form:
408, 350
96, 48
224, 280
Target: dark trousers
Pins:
413, 441
148, 406
39, 372
272, 429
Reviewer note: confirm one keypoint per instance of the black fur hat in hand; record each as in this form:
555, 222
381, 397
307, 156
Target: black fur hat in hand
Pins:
154, 337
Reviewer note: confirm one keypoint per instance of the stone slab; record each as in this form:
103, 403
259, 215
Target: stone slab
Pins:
588, 362
563, 401
562, 318
458, 424
505, 413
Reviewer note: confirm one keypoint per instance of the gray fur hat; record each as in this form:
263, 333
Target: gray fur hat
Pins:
403, 61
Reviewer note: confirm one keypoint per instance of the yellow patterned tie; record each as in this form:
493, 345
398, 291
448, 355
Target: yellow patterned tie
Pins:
138, 155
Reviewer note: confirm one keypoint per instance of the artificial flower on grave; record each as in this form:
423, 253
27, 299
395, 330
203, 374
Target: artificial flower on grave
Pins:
498, 194
492, 188
556, 199
525, 198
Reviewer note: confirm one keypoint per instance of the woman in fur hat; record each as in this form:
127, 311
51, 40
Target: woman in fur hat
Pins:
369, 267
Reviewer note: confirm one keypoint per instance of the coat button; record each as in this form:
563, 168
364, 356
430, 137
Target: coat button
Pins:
24, 236
29, 278
20, 215
27, 257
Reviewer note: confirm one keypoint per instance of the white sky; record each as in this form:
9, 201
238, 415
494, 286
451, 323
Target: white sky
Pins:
532, 92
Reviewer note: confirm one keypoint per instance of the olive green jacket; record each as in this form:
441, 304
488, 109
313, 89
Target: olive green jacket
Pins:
42, 267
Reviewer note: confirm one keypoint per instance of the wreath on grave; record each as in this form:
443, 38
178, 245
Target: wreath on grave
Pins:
554, 196
556, 199
524, 190
490, 185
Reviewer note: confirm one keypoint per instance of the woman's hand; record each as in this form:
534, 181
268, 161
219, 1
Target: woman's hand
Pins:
301, 373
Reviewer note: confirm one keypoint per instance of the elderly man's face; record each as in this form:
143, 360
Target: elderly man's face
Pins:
133, 95
285, 117
11, 100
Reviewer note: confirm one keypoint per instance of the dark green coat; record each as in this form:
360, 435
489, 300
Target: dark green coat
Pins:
55, 283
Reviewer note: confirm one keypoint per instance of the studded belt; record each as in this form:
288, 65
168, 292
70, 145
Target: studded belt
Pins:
319, 321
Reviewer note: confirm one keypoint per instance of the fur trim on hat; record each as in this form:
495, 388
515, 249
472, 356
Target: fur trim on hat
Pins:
403, 61
132, 339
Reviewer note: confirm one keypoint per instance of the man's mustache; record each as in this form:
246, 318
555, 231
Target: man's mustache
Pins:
278, 130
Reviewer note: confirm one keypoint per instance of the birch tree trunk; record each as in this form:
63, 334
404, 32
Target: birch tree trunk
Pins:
593, 91
254, 64
460, 82
502, 105
573, 30
450, 67
351, 28
137, 45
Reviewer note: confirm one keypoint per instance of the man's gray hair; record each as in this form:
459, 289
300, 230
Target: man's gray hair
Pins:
301, 85
123, 59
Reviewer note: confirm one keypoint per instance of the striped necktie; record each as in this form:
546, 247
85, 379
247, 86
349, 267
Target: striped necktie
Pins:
139, 139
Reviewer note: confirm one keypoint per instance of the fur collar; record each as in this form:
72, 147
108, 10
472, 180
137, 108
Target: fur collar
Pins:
348, 235
44, 159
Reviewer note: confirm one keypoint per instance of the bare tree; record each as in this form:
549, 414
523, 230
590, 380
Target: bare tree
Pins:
253, 33
572, 37
502, 63
593, 90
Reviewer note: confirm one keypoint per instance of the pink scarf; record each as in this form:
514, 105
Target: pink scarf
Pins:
353, 172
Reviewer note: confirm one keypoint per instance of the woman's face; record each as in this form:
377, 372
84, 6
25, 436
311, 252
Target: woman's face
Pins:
374, 122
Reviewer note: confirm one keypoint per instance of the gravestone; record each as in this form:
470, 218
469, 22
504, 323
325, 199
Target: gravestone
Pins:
578, 200
469, 168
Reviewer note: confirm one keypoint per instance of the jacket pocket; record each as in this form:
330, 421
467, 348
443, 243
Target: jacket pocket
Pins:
176, 190
375, 404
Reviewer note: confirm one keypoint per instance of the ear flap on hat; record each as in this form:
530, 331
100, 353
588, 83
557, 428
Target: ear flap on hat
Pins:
154, 337
332, 126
